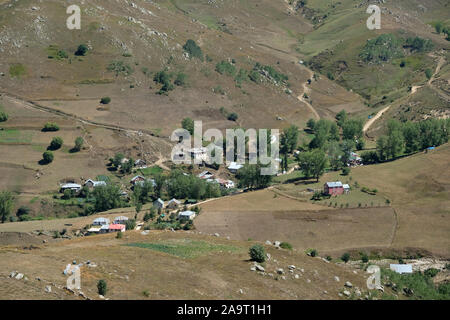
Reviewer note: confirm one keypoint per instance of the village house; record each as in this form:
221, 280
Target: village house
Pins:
333, 188
117, 228
234, 167
94, 184
100, 222
70, 186
228, 184
173, 204
137, 179
354, 159
94, 230
198, 154
186, 215
158, 204
120, 220
205, 175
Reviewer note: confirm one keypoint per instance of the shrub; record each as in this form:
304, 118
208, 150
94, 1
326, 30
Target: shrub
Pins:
428, 73
257, 253
345, 171
233, 116
50, 127
286, 245
225, 67
48, 156
312, 252
119, 235
432, 272
364, 257
78, 143
82, 50
181, 79
56, 143
102, 287
23, 210
345, 257
120, 67
329, 258
3, 116
105, 100
193, 49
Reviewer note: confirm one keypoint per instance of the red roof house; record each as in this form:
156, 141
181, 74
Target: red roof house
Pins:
333, 188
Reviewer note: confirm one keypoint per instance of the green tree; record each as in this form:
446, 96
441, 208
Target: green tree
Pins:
3, 116
82, 50
352, 129
188, 124
382, 148
257, 253
193, 49
345, 257
250, 177
56, 143
106, 197
102, 287
313, 163
79, 141
105, 100
438, 26
6, 204
289, 139
311, 124
341, 117
47, 156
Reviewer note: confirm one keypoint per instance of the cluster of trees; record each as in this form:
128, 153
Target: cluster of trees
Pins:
120, 67
164, 78
49, 126
6, 205
388, 46
181, 186
441, 28
250, 177
118, 163
408, 137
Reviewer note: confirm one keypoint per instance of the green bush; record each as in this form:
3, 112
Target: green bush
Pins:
50, 127
224, 67
48, 156
105, 100
181, 79
432, 272
120, 67
3, 116
364, 257
345, 171
233, 116
102, 287
286, 245
78, 143
345, 257
383, 48
82, 50
130, 224
193, 49
312, 252
56, 143
119, 235
257, 253
428, 73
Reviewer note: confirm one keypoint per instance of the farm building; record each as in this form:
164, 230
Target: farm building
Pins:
199, 155
117, 227
228, 184
120, 220
234, 167
141, 183
333, 188
70, 186
104, 228
354, 159
159, 204
94, 184
346, 188
137, 179
94, 230
100, 222
173, 204
186, 215
205, 175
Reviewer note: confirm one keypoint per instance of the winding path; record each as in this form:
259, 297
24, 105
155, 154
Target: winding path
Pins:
307, 90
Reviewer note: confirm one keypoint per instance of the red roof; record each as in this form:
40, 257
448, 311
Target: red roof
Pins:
116, 226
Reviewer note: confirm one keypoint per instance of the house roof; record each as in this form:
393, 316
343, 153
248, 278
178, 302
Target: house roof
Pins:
205, 174
159, 201
174, 201
141, 183
105, 227
96, 183
121, 218
137, 177
346, 186
71, 186
401, 268
106, 220
186, 213
335, 184
93, 229
235, 166
116, 226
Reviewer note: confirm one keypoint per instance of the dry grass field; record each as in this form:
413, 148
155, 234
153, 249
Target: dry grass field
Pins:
191, 269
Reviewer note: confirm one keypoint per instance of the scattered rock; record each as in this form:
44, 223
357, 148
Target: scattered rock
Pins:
216, 235
268, 256
277, 244
336, 278
346, 293
260, 268
241, 291
19, 276
358, 292
348, 284
325, 292
297, 276
291, 267
101, 297
252, 268
280, 271
13, 274
283, 277
268, 242
302, 270
308, 281
48, 289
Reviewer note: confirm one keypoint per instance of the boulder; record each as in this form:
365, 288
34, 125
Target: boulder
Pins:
48, 289
348, 284
346, 293
280, 271
291, 267
336, 278
297, 276
260, 268
19, 276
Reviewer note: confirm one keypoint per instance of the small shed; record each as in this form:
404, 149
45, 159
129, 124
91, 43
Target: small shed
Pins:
159, 204
136, 179
186, 215
104, 228
173, 204
234, 167
71, 186
94, 184
346, 188
94, 230
401, 268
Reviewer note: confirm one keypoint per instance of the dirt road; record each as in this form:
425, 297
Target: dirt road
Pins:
307, 90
